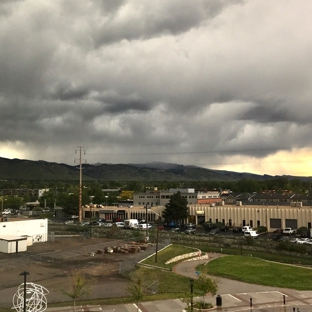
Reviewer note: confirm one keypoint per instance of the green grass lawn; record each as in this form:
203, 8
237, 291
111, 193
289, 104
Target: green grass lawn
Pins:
169, 283
167, 254
257, 271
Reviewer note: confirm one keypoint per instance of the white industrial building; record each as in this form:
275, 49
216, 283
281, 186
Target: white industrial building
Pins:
15, 236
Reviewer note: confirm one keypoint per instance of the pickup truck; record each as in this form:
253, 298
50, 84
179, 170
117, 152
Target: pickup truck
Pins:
289, 231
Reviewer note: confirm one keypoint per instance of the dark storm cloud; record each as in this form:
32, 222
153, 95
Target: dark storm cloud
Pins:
65, 92
264, 113
192, 82
154, 19
123, 106
109, 6
116, 104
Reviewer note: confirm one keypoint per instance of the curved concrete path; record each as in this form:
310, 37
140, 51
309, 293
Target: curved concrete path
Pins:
237, 296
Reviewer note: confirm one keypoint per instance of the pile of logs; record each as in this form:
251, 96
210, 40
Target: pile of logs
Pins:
126, 248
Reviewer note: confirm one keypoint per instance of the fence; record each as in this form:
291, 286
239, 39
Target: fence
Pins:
127, 266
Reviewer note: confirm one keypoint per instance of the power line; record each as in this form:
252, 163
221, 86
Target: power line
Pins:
197, 152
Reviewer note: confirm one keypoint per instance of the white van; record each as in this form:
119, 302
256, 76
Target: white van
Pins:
246, 228
253, 234
131, 223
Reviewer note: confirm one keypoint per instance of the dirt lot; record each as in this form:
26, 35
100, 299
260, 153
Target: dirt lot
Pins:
49, 264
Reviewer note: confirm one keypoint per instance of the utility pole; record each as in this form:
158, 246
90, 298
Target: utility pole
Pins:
146, 223
80, 149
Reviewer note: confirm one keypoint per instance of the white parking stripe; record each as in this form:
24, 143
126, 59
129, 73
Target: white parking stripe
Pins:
281, 293
234, 297
138, 309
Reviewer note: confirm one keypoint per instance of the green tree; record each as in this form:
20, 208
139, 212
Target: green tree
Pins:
71, 204
136, 186
48, 198
176, 209
78, 286
14, 202
136, 287
124, 195
204, 285
96, 191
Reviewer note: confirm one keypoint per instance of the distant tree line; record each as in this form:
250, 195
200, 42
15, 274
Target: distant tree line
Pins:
245, 185
65, 194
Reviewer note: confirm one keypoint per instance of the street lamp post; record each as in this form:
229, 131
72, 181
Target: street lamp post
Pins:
157, 237
25, 275
192, 292
90, 222
2, 205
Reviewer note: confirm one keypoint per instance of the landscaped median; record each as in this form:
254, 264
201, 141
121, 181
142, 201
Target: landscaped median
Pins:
171, 254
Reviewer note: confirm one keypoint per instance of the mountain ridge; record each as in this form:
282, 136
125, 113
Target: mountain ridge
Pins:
23, 169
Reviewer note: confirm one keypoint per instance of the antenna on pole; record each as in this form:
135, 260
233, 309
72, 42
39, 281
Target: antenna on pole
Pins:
80, 149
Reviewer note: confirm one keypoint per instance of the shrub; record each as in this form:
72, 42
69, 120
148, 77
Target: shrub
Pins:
291, 247
262, 229
203, 305
302, 229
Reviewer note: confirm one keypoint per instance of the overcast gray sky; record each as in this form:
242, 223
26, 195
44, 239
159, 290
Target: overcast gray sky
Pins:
219, 84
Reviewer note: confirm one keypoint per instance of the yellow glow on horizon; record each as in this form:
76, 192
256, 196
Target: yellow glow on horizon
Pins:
297, 162
13, 150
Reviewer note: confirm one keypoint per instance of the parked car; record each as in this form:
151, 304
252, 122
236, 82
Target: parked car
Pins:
176, 229
276, 237
119, 224
208, 226
301, 241
6, 211
246, 228
308, 242
190, 225
106, 224
289, 231
69, 221
252, 234
290, 239
221, 226
214, 232
143, 226
190, 231
278, 231
172, 224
